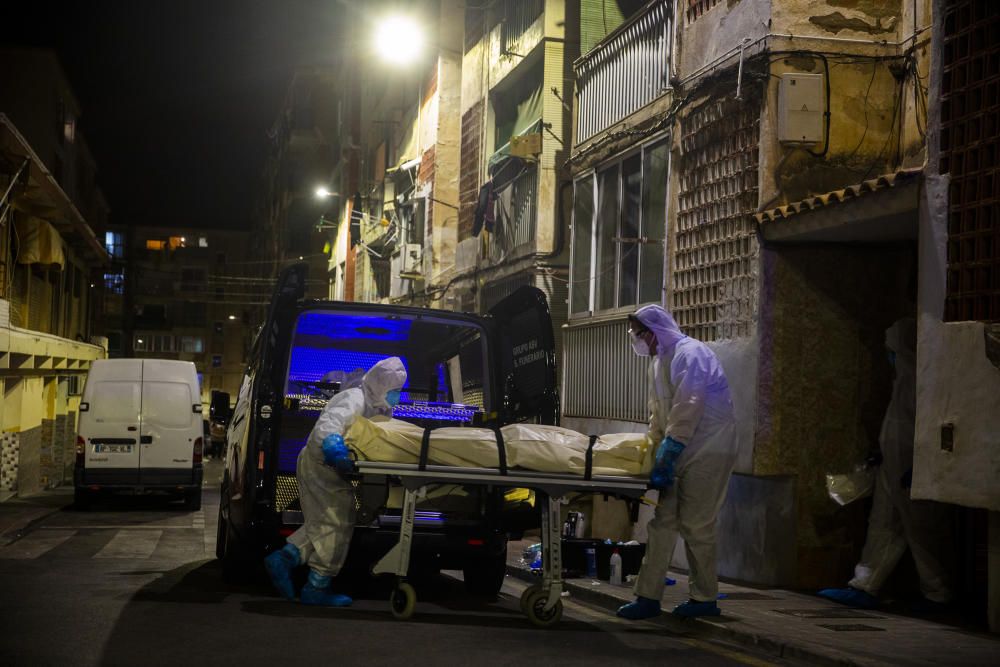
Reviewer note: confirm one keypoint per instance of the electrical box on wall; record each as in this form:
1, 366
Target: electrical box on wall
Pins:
800, 108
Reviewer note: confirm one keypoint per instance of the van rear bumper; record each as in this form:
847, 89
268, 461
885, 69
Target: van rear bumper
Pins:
151, 479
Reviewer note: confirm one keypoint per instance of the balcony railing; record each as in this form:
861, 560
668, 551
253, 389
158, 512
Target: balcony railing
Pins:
516, 217
625, 72
605, 378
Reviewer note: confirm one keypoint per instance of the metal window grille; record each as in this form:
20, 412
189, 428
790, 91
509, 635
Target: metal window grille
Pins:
516, 217
970, 153
714, 291
624, 73
698, 7
608, 378
518, 15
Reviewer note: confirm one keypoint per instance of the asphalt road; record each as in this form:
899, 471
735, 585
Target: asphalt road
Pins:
134, 582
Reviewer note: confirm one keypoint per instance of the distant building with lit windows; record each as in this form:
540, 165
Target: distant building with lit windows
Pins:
183, 293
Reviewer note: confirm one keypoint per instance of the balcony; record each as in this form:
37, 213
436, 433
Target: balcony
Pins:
516, 216
608, 378
625, 72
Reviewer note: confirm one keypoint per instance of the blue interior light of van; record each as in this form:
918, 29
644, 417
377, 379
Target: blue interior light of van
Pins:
309, 364
339, 326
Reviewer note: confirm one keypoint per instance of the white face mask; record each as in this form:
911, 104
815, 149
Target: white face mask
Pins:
640, 346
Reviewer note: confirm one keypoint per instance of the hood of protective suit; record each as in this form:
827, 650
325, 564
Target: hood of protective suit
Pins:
901, 338
380, 379
661, 323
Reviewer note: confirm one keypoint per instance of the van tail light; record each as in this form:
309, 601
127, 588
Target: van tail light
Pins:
198, 445
81, 450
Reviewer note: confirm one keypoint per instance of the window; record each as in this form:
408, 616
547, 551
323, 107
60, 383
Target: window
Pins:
155, 244
217, 327
140, 343
114, 283
202, 241
216, 361
619, 226
192, 344
113, 243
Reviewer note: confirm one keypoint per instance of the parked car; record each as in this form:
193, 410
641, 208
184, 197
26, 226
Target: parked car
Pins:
140, 430
463, 369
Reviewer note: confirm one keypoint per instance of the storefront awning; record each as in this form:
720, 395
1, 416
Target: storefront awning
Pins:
42, 197
876, 210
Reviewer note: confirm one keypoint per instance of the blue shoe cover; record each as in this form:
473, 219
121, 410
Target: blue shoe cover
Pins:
317, 592
279, 566
693, 608
852, 597
640, 609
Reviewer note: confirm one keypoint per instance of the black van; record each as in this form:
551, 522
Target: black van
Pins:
463, 369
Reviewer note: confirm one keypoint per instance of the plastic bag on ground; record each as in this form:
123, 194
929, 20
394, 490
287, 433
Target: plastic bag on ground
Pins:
848, 487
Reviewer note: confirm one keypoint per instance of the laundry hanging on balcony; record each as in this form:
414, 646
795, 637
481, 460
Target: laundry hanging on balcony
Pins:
485, 209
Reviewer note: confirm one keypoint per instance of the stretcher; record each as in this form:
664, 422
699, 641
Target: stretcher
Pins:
541, 602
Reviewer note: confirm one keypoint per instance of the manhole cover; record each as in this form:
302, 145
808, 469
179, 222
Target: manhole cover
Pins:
749, 596
851, 627
832, 612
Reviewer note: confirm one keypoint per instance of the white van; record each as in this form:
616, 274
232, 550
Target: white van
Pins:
140, 429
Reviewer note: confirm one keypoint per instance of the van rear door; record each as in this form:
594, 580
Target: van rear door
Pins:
170, 424
525, 357
110, 425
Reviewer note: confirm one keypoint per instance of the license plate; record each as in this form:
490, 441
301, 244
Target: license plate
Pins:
112, 449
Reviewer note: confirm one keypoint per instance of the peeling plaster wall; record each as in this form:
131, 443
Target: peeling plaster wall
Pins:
956, 382
717, 32
877, 19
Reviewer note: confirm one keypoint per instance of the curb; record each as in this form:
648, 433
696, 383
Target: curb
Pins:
18, 527
779, 648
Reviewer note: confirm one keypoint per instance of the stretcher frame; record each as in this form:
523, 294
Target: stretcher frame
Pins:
541, 603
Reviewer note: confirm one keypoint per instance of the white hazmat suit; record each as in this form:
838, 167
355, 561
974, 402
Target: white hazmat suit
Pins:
327, 498
896, 521
689, 400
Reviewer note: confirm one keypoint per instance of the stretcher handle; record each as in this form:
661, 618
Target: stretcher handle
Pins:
588, 470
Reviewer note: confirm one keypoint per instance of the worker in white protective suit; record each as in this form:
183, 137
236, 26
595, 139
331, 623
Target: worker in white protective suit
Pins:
326, 495
896, 521
693, 426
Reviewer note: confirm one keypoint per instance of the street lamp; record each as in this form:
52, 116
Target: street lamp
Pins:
324, 193
398, 39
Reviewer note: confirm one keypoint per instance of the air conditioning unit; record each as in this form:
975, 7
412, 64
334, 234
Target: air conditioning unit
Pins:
411, 260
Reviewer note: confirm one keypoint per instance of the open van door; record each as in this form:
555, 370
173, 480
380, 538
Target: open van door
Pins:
525, 357
110, 421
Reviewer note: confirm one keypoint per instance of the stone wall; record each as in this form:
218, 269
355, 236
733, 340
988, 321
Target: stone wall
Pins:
29, 474
10, 452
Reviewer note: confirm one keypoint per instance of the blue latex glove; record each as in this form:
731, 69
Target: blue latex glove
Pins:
662, 476
336, 453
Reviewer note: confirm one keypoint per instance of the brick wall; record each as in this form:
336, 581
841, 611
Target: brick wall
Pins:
472, 127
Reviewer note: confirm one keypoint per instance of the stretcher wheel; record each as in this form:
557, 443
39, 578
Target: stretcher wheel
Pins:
528, 592
403, 600
536, 610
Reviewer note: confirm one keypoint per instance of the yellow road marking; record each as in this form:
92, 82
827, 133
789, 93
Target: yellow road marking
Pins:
738, 656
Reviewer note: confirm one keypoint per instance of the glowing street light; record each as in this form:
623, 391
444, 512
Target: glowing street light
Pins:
399, 39
323, 193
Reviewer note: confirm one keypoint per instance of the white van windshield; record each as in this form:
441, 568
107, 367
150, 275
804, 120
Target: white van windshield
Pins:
167, 403
115, 402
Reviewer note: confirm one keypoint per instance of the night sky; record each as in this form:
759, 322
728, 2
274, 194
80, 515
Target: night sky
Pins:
177, 95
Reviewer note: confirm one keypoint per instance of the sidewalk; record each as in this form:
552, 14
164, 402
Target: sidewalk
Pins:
16, 514
796, 626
